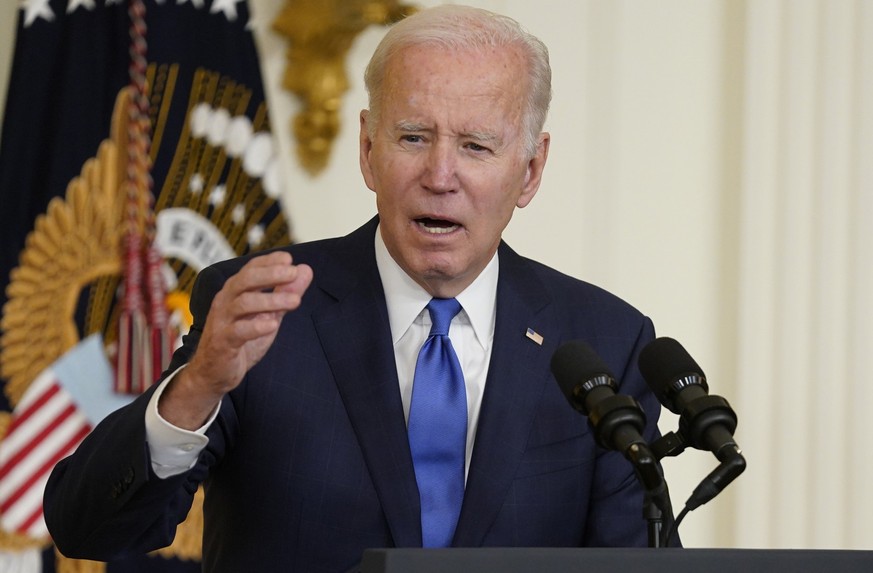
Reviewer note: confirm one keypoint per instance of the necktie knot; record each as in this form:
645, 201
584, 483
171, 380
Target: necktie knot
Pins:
442, 311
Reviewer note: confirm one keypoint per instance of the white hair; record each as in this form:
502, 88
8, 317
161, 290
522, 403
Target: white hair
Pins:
464, 27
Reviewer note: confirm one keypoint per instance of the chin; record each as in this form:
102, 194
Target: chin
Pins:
433, 273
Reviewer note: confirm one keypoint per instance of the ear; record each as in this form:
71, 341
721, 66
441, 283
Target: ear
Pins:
534, 175
365, 147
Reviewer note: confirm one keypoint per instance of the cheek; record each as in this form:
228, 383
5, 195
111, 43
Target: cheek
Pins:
393, 175
390, 208
504, 202
497, 210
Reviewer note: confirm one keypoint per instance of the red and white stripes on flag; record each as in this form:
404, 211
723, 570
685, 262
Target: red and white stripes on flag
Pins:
46, 427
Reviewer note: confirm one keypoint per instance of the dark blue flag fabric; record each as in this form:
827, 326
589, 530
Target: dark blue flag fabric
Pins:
75, 180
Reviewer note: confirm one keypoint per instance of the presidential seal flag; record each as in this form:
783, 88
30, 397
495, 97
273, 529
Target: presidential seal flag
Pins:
135, 150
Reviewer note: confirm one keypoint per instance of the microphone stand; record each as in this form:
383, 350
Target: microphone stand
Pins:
617, 421
656, 500
732, 464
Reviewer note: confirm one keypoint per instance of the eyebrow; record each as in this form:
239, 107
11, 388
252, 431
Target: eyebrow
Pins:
412, 127
481, 136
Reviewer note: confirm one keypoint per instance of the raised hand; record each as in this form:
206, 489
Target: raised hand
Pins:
242, 324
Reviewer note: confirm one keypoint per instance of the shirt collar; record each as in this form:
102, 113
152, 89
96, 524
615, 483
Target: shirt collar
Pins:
406, 299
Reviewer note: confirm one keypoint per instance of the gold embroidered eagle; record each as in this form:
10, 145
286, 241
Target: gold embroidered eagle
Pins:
222, 183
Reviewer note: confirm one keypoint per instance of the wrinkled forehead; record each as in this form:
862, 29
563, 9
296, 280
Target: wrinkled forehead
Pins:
501, 57
437, 76
478, 89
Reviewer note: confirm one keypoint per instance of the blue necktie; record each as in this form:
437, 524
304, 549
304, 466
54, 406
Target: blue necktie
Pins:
438, 428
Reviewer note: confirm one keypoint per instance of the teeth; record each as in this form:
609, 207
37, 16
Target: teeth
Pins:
437, 230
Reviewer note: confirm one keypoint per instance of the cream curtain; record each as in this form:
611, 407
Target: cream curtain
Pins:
805, 255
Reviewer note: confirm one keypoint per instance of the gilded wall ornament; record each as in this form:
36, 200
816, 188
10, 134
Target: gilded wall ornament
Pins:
320, 33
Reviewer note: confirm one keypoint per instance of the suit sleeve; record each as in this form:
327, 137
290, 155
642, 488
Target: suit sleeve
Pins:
105, 502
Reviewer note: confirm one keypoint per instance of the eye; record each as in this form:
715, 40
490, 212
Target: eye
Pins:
473, 146
411, 138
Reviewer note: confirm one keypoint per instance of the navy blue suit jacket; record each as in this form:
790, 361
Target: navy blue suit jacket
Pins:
308, 462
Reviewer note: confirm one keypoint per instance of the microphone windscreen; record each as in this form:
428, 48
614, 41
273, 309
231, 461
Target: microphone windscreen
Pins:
664, 361
575, 363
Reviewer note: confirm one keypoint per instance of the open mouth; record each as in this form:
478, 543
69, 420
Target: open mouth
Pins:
436, 226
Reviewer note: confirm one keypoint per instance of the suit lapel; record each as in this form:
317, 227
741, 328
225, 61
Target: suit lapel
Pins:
357, 342
518, 372
356, 339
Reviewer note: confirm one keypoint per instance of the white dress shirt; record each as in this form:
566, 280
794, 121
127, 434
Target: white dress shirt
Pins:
471, 331
175, 450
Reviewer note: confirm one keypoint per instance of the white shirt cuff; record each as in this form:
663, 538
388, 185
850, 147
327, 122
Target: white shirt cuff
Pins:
173, 450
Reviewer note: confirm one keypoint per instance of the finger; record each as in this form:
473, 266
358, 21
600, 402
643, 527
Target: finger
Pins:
272, 258
254, 326
251, 303
224, 338
302, 279
263, 272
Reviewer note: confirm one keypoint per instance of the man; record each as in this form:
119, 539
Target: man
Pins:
293, 407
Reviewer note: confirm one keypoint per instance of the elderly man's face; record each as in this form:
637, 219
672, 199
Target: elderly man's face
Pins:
447, 160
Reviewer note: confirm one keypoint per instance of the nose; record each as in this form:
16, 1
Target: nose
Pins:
440, 171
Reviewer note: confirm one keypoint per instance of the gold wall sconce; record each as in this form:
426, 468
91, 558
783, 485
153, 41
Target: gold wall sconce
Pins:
320, 33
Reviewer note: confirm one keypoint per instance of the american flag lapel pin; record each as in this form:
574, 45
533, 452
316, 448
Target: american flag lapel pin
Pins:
534, 335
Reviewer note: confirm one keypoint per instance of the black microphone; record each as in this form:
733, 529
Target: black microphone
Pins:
705, 422
708, 422
618, 421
